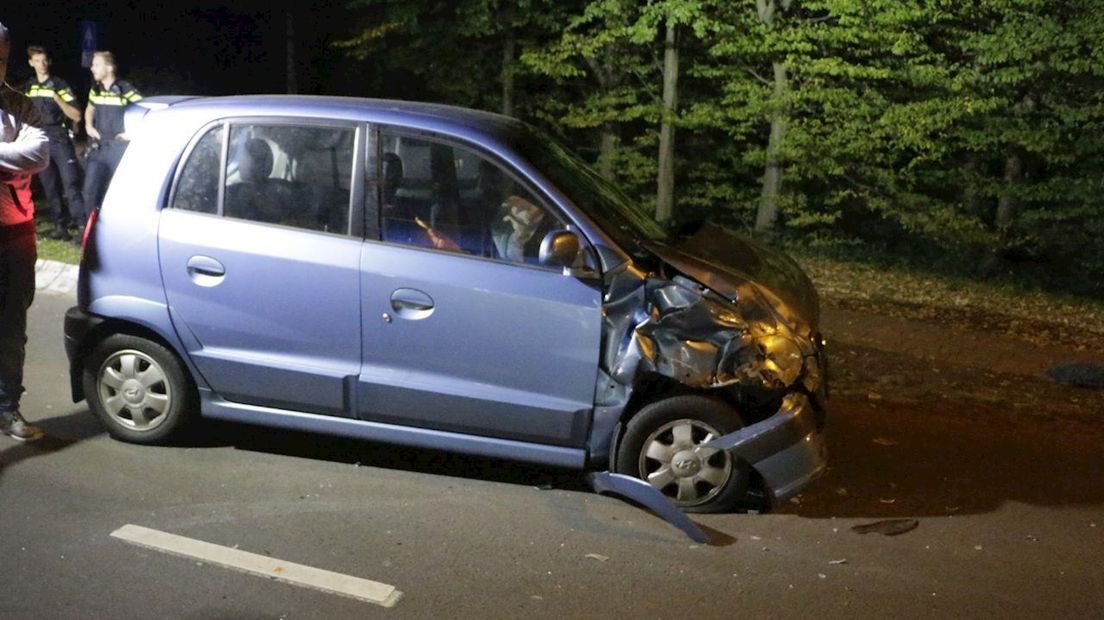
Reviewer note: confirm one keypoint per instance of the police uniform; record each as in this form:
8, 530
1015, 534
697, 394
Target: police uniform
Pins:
63, 158
110, 107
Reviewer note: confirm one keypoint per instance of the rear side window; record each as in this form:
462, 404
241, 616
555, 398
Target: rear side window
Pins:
298, 176
288, 175
197, 189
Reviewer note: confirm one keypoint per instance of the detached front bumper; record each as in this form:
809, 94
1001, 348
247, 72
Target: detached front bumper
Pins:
787, 449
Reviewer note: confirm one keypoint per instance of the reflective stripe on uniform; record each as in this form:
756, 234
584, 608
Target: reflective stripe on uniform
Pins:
108, 99
48, 93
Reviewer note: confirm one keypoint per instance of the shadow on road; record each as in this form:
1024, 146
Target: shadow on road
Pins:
370, 454
61, 432
886, 460
903, 460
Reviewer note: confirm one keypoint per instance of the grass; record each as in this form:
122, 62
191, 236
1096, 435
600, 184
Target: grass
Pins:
51, 249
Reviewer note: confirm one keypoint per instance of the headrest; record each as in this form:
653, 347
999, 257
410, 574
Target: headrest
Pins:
256, 160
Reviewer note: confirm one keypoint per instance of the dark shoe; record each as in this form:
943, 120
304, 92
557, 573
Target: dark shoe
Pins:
13, 425
59, 234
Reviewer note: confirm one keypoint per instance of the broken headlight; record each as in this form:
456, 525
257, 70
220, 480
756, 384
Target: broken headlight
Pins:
773, 352
781, 358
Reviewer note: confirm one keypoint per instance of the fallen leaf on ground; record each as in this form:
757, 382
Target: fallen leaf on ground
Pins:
887, 527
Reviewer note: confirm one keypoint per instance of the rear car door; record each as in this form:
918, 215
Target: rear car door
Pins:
463, 330
261, 265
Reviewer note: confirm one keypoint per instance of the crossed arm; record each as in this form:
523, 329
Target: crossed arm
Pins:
28, 153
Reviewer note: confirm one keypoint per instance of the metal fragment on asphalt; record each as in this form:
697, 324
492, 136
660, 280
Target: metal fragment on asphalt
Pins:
887, 527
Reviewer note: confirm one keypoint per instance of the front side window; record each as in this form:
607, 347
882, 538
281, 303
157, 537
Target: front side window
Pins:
439, 195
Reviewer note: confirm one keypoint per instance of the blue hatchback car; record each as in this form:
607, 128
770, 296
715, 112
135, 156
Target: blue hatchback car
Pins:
442, 278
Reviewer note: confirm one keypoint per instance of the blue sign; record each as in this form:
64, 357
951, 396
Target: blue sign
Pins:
89, 41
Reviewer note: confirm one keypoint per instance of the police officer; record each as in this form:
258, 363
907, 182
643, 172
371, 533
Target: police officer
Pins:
55, 103
103, 119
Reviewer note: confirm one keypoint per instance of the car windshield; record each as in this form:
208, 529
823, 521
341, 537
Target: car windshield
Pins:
619, 216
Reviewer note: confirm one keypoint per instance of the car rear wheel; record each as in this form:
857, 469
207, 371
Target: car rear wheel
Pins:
663, 446
138, 389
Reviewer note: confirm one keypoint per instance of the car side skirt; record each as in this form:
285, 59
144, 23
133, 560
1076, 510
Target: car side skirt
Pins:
212, 406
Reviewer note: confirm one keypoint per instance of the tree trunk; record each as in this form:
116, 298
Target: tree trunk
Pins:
607, 146
1008, 205
665, 181
292, 83
767, 215
509, 49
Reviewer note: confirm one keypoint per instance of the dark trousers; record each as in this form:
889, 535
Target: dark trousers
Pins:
64, 170
99, 167
17, 288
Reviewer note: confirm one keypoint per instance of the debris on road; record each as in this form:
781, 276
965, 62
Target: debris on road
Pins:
883, 441
837, 562
887, 501
1078, 374
887, 527
597, 556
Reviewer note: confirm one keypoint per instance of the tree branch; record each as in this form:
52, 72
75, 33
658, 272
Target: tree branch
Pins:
757, 76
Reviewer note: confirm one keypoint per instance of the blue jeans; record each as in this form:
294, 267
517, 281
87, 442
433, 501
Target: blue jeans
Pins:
17, 289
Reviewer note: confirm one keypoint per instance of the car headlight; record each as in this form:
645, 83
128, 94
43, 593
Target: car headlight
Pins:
777, 356
781, 358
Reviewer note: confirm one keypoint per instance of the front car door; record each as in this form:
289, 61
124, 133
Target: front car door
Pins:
462, 329
261, 265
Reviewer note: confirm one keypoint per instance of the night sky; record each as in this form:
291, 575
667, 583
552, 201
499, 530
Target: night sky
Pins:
189, 47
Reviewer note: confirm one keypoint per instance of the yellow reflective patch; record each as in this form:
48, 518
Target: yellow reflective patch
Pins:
106, 100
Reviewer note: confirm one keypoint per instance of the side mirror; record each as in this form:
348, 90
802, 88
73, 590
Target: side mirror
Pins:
560, 248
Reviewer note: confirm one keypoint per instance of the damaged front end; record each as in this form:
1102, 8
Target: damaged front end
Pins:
712, 330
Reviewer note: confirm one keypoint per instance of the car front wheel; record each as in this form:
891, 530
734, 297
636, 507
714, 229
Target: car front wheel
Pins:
663, 446
138, 389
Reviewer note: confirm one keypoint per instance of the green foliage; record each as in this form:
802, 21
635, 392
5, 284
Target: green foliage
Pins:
970, 127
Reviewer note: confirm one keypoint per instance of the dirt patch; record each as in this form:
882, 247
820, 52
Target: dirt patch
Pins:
964, 364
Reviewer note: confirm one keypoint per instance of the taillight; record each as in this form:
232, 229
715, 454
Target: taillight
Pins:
88, 230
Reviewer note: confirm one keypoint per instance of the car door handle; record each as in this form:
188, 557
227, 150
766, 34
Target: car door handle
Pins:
411, 303
205, 271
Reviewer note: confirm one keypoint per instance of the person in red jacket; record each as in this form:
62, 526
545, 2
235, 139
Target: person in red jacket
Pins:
24, 150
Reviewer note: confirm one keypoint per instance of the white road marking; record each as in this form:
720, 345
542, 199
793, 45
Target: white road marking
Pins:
289, 572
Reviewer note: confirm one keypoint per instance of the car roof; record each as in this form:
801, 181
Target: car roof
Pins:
452, 119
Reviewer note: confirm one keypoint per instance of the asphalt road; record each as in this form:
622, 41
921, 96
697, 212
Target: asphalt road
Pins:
1010, 525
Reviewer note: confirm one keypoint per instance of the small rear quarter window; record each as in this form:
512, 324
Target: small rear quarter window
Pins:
197, 189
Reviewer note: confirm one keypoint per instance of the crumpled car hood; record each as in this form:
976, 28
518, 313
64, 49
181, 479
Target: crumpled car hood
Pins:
720, 260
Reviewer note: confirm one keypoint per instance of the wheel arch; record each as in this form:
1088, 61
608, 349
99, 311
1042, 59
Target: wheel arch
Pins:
106, 327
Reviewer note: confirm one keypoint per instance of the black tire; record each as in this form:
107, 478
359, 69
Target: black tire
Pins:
138, 389
718, 481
